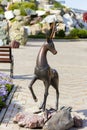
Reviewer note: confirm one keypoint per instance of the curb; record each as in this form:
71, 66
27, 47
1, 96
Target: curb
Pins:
3, 111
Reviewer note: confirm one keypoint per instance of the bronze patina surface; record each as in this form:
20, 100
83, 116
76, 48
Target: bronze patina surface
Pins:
44, 72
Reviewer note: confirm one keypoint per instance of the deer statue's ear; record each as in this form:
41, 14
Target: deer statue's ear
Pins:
49, 41
51, 32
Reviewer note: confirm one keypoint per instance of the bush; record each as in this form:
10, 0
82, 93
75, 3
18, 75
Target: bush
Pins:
74, 33
82, 33
16, 5
22, 6
30, 5
22, 10
39, 35
1, 10
78, 33
60, 34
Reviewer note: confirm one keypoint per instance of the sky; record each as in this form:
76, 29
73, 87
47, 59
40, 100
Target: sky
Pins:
79, 4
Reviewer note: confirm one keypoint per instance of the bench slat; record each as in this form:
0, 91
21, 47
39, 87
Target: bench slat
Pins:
5, 47
4, 60
1, 50
6, 57
2, 54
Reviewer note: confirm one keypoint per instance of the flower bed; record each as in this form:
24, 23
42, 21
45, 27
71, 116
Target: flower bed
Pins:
6, 86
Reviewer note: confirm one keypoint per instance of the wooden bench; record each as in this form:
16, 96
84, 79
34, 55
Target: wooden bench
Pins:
6, 57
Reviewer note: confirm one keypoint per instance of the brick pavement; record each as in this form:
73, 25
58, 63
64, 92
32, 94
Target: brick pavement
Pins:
71, 65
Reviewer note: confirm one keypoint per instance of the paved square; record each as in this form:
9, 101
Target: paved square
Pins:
71, 64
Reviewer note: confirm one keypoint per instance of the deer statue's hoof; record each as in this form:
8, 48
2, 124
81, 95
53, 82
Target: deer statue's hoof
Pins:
41, 106
35, 99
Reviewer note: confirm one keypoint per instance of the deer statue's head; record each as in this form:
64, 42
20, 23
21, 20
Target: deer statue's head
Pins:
50, 44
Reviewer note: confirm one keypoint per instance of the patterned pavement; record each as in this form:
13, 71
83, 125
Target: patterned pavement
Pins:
71, 64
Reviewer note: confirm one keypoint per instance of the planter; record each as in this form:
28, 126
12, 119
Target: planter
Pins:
15, 44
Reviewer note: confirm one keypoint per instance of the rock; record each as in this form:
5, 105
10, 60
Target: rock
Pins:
9, 15
54, 11
62, 120
28, 30
35, 20
60, 18
51, 119
19, 18
40, 12
4, 2
50, 19
26, 20
61, 26
35, 29
16, 12
4, 32
45, 27
67, 19
1, 17
29, 120
78, 121
30, 12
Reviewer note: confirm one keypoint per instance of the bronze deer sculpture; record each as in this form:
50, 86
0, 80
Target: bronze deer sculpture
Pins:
45, 73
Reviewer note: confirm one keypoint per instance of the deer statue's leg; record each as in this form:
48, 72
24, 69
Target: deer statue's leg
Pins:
55, 84
57, 98
30, 87
57, 92
43, 105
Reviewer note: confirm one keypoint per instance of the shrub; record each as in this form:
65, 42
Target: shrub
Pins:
22, 10
1, 10
39, 35
30, 5
78, 33
70, 37
82, 33
60, 34
16, 5
22, 6
74, 33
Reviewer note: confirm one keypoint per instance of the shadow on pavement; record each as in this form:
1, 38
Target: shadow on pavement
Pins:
23, 77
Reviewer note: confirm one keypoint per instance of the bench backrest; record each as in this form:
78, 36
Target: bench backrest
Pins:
5, 54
